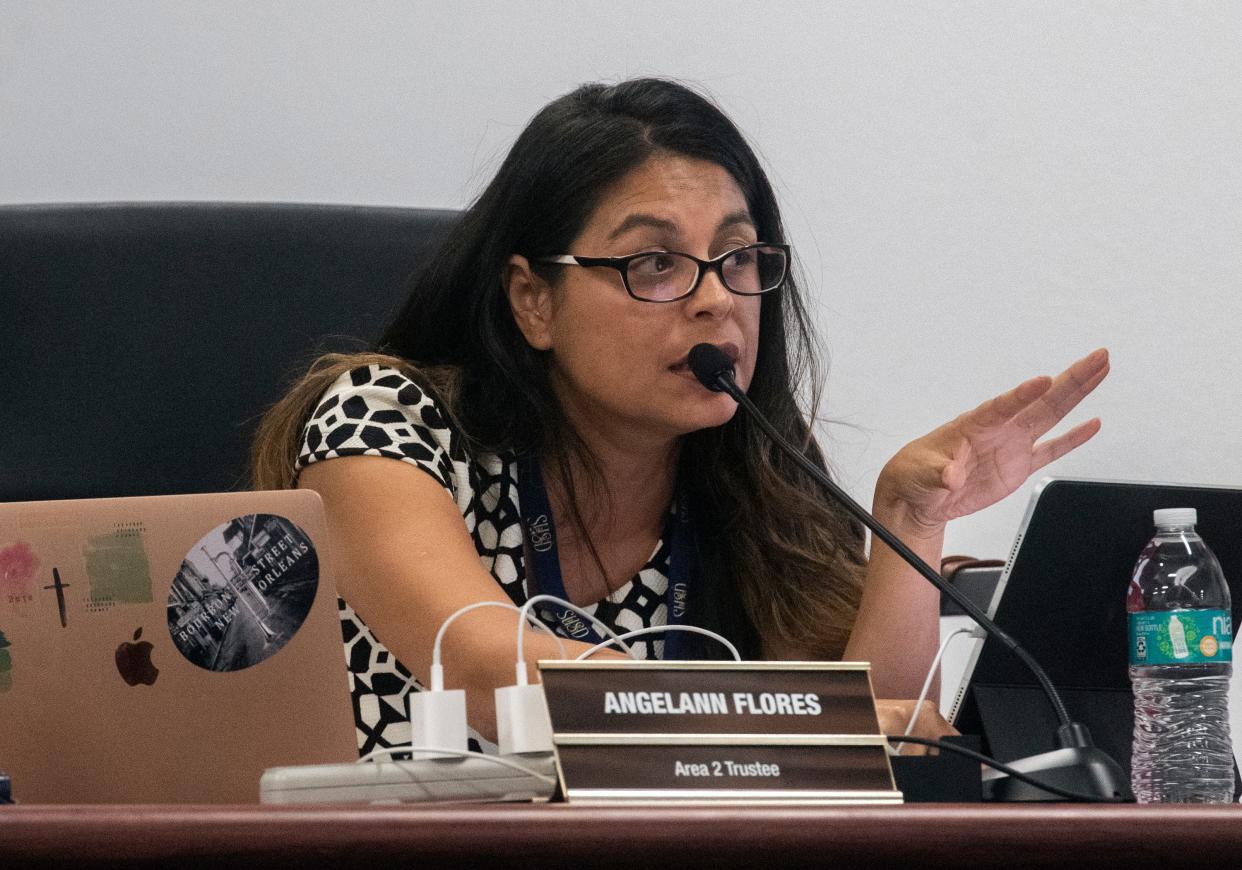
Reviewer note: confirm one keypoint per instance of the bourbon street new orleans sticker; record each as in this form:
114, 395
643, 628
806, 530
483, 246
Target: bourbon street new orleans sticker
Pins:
242, 592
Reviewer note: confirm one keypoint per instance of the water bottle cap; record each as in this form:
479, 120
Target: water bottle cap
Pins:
1175, 517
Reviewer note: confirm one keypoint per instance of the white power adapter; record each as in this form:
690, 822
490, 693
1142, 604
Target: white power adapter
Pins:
522, 720
438, 718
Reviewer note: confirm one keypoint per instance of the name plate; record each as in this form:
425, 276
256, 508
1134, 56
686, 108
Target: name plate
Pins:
719, 732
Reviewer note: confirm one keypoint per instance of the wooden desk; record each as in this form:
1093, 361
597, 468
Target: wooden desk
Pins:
554, 836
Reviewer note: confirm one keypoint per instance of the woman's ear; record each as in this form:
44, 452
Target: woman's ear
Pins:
530, 300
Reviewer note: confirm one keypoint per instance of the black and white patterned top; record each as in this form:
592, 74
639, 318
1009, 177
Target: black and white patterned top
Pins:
378, 411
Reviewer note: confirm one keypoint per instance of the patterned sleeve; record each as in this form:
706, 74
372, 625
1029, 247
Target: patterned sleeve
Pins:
378, 411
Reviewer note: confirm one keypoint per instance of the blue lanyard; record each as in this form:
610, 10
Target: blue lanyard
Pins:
545, 571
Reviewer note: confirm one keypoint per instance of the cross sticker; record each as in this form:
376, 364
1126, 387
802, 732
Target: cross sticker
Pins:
60, 595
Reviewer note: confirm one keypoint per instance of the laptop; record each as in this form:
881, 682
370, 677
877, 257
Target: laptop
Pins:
1062, 596
167, 648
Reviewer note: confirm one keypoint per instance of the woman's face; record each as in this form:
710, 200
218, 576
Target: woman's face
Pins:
619, 364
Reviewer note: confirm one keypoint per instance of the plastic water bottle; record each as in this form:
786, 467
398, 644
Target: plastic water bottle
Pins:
1181, 644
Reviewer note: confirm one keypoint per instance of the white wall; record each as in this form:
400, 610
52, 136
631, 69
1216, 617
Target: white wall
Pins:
978, 191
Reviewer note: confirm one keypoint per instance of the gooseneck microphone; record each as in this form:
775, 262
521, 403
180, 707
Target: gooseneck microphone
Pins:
1078, 764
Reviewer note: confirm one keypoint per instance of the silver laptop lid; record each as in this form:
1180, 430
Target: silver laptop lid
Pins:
168, 648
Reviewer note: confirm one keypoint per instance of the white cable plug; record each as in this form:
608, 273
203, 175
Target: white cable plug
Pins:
522, 720
438, 724
656, 629
438, 719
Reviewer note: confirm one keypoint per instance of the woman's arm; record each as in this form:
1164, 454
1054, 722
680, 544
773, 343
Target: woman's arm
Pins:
898, 624
964, 466
405, 563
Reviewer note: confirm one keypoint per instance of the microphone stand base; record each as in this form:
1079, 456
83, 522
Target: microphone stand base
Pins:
1086, 770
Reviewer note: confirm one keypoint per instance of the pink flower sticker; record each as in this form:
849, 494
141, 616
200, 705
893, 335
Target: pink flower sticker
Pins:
18, 565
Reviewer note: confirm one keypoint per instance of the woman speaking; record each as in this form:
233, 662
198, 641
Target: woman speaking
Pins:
530, 425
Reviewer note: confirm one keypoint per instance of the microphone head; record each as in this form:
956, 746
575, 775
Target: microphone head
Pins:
710, 364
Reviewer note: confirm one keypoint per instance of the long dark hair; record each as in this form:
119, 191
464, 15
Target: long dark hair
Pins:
775, 561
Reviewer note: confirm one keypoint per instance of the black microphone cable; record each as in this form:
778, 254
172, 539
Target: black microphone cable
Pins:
714, 370
1011, 771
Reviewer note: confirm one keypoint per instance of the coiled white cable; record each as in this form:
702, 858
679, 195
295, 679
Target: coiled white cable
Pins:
437, 671
656, 629
552, 599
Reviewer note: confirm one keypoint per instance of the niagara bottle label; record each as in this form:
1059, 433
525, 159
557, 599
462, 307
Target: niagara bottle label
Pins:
1177, 637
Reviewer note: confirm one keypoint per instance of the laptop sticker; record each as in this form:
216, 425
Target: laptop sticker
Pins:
117, 568
18, 568
242, 592
133, 661
6, 664
59, 587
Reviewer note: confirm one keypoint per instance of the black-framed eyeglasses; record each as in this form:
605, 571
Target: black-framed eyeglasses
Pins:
666, 276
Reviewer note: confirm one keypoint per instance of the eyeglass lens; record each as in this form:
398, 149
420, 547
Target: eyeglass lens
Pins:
665, 276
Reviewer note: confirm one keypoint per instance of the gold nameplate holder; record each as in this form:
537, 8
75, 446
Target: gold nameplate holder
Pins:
717, 732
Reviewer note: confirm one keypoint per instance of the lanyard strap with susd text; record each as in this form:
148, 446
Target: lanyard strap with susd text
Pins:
544, 572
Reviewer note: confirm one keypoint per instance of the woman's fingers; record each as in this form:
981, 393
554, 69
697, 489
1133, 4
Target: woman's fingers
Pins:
1055, 448
1067, 390
1040, 403
895, 717
1000, 410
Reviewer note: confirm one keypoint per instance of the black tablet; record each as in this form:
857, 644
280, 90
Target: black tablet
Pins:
1062, 595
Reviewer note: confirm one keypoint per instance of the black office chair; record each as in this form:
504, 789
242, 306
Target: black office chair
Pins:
142, 341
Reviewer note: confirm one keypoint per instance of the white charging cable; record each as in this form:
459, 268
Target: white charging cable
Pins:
438, 723
437, 670
523, 723
656, 629
437, 716
520, 667
976, 633
463, 753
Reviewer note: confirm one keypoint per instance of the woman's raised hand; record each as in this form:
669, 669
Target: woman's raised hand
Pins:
985, 454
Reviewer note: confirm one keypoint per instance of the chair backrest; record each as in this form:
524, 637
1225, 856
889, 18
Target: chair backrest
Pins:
141, 342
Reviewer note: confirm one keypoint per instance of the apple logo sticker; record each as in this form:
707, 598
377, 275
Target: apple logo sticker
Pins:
133, 661
242, 592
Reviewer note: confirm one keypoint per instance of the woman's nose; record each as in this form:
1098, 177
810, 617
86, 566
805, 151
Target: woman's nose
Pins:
711, 298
